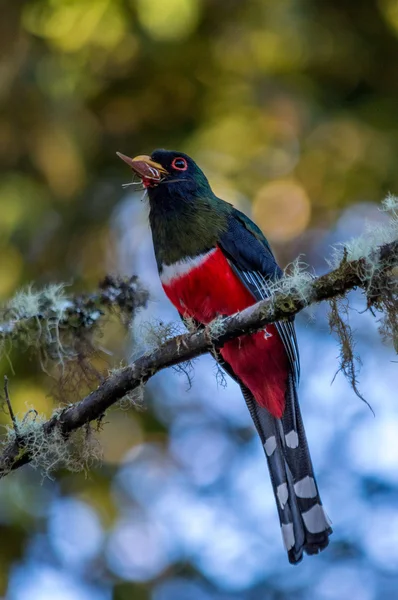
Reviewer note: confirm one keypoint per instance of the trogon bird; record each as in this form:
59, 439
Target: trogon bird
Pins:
214, 261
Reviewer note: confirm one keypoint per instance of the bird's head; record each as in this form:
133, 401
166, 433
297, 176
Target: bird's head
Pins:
185, 216
168, 173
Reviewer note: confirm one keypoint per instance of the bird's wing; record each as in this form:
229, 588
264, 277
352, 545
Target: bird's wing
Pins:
251, 258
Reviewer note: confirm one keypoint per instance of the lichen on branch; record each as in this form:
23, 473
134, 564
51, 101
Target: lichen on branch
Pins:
60, 327
50, 451
373, 271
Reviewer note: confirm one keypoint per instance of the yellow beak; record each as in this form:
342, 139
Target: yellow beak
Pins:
144, 166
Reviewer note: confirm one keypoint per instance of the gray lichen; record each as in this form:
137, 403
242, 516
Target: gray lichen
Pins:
380, 281
364, 246
51, 451
350, 362
134, 399
59, 328
296, 281
156, 332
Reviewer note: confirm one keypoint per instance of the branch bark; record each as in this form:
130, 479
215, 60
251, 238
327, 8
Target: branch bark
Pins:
347, 276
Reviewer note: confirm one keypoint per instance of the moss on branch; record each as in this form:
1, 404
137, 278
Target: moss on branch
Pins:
373, 270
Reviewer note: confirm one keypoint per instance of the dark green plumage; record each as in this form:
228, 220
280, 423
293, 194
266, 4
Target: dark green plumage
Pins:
187, 230
186, 217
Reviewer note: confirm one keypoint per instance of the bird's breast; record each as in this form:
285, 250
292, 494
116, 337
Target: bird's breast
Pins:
205, 286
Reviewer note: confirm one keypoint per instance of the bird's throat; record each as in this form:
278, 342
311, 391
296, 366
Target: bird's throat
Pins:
184, 229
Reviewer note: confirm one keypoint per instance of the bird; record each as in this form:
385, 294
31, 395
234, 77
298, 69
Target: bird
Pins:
214, 261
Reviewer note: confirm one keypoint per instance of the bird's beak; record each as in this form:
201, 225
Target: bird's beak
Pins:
144, 167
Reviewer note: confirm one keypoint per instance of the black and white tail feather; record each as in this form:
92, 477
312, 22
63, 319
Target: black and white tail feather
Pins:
304, 523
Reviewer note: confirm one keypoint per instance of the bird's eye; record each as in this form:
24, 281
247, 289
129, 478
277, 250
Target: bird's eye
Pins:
180, 164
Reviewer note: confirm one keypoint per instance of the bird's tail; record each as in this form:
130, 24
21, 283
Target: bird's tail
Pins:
305, 526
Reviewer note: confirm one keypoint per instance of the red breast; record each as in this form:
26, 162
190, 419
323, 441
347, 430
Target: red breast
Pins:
205, 287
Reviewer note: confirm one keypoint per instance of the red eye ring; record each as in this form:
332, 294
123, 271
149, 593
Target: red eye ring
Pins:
179, 164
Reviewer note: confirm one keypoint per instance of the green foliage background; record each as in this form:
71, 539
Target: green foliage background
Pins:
292, 104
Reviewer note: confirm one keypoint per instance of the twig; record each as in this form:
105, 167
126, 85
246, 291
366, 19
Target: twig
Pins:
10, 410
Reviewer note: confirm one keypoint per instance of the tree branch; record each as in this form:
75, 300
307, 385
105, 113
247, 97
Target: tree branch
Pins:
284, 304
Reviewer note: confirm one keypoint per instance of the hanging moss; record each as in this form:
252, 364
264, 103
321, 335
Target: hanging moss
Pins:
51, 451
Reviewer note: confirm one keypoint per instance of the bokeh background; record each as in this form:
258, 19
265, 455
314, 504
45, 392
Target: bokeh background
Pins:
291, 108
